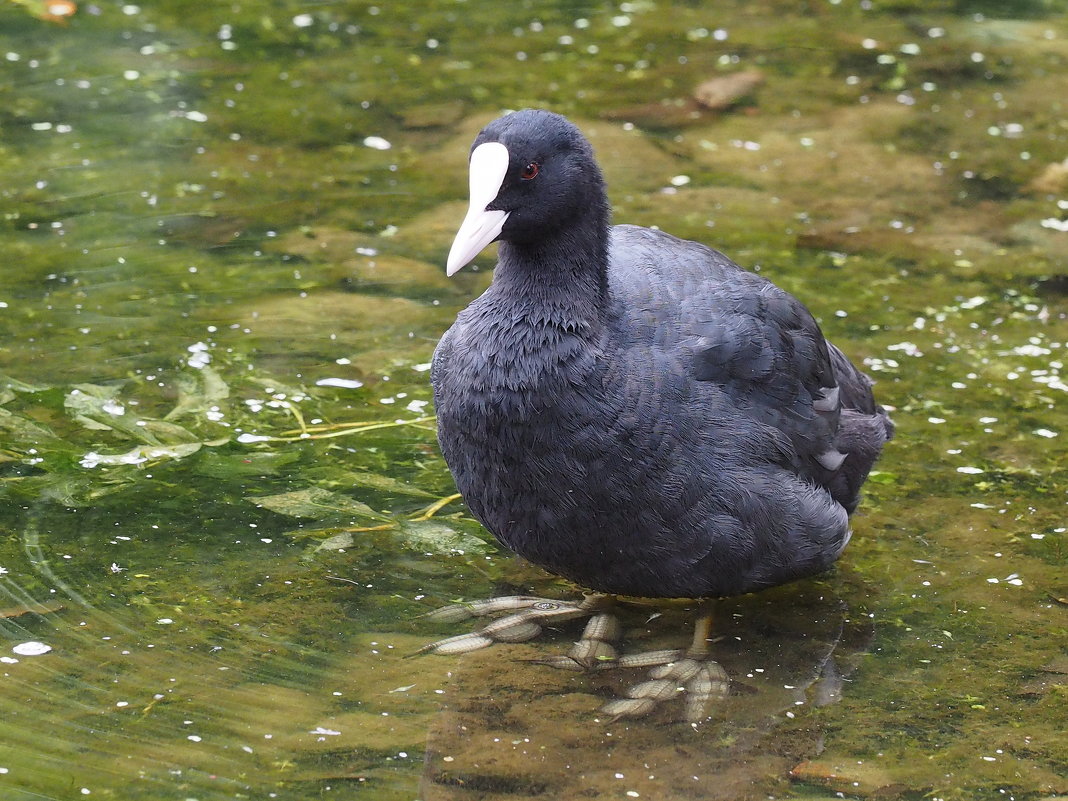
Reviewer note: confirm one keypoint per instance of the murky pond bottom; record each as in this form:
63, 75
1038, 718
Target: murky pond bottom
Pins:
223, 514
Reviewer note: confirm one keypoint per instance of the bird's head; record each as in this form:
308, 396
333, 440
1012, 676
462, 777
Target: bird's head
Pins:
532, 176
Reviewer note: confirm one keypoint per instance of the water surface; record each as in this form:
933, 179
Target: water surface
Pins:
223, 235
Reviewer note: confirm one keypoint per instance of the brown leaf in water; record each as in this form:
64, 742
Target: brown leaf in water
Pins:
30, 609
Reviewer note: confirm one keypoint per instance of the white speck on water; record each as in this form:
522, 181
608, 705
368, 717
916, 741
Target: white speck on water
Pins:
367, 251
910, 49
621, 21
113, 407
343, 383
1031, 350
1045, 432
31, 648
421, 368
973, 303
164, 621
936, 420
194, 737
869, 44
970, 470
196, 116
680, 180
1056, 225
321, 730
908, 348
303, 20
377, 143
247, 438
416, 405
130, 10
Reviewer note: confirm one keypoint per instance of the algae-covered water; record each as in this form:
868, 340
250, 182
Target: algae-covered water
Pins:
222, 508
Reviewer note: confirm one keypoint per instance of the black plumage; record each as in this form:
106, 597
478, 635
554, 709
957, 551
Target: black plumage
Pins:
635, 411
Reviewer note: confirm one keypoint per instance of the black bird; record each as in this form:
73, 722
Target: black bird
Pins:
634, 411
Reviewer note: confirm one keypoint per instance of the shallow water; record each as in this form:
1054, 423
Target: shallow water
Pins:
224, 229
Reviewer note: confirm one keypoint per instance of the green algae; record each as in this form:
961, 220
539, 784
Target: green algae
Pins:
223, 232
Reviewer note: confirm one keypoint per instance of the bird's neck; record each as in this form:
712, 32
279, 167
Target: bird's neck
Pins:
561, 282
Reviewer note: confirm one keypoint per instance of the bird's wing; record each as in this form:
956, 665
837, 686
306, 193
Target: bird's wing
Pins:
759, 345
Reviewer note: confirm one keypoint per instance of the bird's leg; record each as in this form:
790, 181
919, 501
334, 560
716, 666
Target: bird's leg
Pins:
692, 673
528, 615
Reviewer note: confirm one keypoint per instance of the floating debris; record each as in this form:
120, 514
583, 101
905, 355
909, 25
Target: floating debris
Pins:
31, 648
342, 383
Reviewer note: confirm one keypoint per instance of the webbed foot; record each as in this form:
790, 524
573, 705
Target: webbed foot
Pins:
529, 614
689, 673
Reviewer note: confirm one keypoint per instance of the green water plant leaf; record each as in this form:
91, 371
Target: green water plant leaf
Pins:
146, 453
198, 391
317, 504
433, 536
98, 408
332, 476
15, 385
19, 430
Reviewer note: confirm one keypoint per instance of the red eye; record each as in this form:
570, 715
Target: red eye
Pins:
530, 172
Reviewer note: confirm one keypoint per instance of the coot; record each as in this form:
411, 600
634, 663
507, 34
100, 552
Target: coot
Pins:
634, 411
